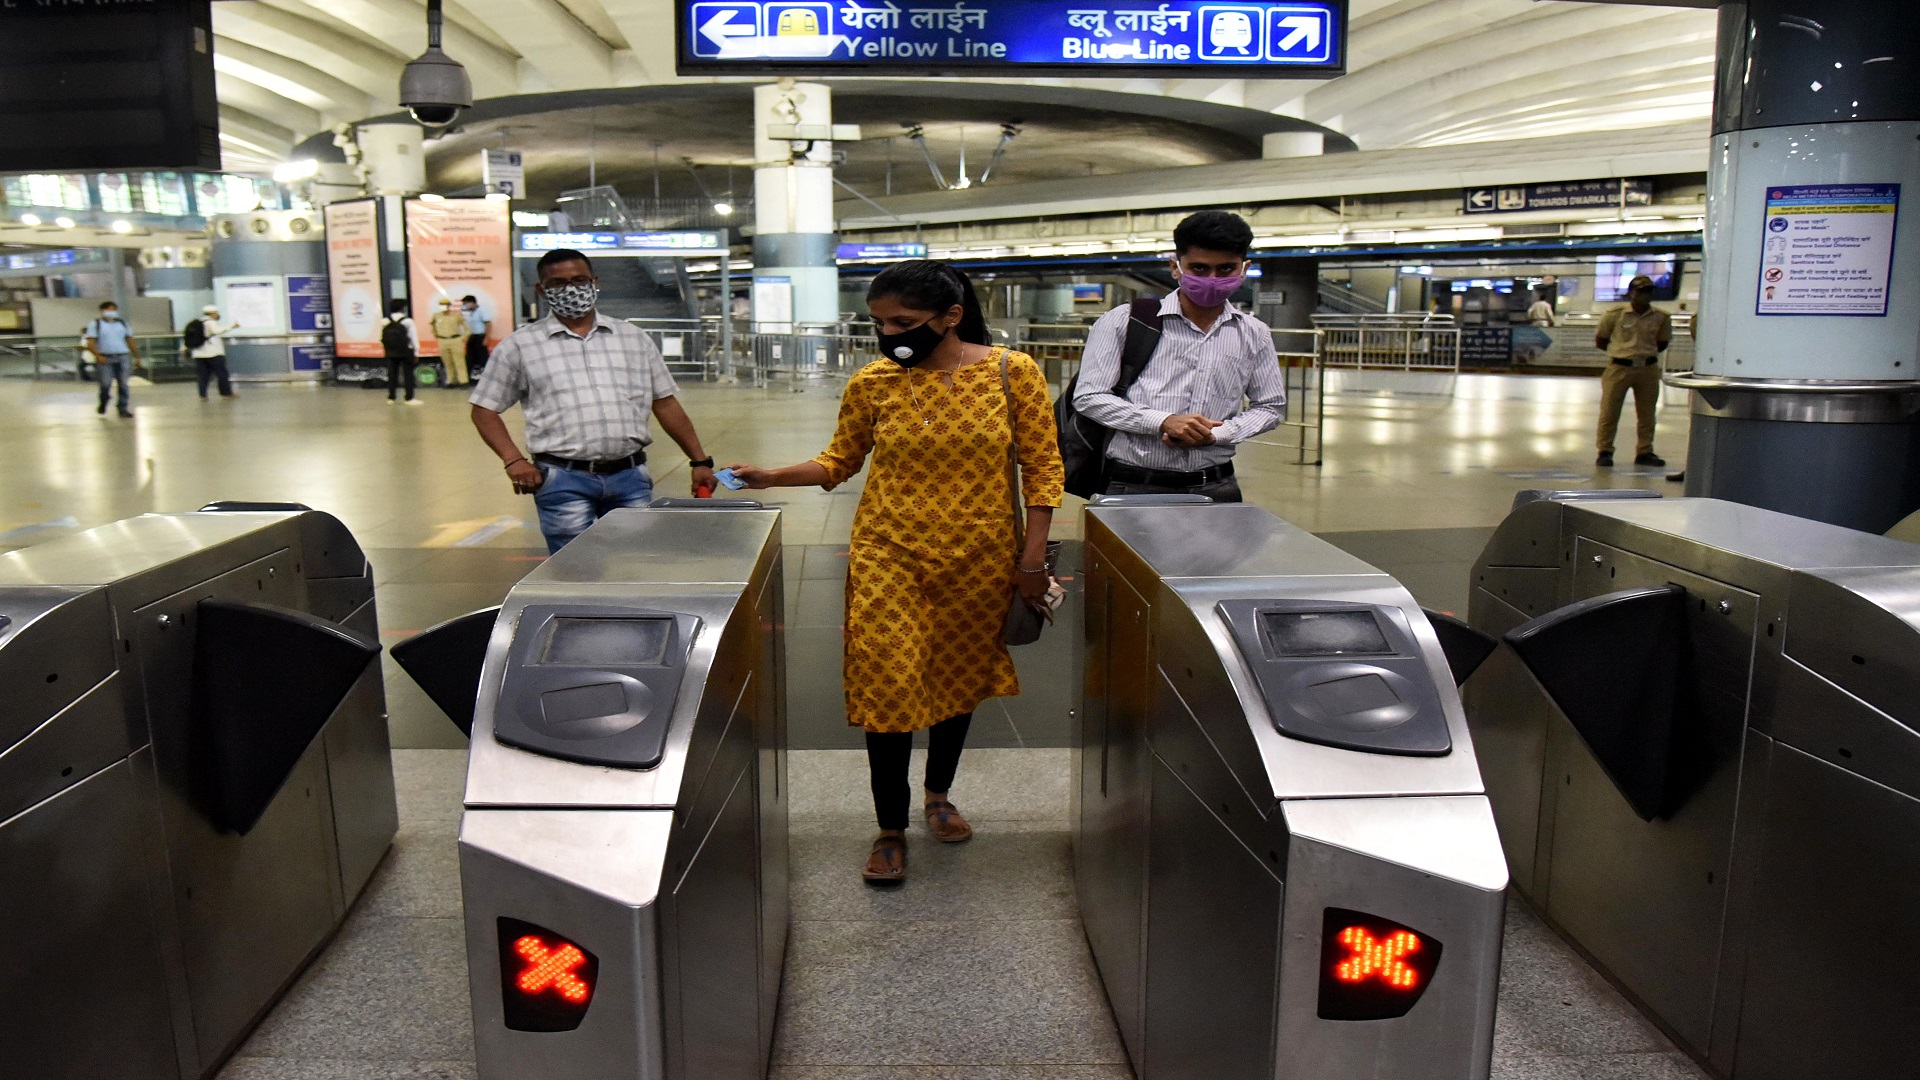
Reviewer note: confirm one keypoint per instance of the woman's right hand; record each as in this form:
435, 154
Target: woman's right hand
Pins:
753, 476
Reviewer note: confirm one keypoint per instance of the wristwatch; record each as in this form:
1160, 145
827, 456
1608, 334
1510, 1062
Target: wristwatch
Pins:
703, 463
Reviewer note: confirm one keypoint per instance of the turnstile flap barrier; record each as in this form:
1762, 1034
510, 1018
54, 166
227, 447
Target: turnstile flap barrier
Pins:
670, 503
1533, 495
446, 660
1466, 648
265, 680
1611, 664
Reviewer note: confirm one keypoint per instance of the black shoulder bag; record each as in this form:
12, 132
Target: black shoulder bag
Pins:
1083, 443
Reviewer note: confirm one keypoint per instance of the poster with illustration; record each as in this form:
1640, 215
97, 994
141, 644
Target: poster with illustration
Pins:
353, 276
458, 248
1828, 249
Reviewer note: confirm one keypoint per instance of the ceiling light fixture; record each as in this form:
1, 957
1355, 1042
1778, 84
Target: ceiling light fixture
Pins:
64, 222
122, 226
29, 219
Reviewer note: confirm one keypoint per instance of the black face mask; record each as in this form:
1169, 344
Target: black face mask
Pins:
911, 348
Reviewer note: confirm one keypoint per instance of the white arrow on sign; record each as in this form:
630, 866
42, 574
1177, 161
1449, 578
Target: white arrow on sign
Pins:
1305, 28
722, 27
1480, 198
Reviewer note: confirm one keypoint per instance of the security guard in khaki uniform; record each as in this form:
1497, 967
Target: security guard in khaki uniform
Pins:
1633, 338
451, 331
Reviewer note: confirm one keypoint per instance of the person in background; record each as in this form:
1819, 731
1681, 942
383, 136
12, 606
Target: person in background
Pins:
478, 328
208, 350
1214, 380
450, 333
1540, 312
934, 564
400, 340
587, 384
115, 353
559, 221
1633, 338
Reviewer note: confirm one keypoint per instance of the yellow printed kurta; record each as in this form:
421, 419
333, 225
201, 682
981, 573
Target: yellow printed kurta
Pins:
931, 567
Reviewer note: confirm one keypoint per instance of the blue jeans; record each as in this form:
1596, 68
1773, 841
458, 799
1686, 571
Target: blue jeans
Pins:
111, 368
570, 500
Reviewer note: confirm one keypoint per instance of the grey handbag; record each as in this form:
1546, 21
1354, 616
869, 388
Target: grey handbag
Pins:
1024, 620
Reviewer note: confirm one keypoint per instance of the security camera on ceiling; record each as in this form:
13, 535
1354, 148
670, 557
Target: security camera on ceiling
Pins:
434, 87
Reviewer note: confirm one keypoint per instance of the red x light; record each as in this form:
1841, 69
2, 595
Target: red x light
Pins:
1372, 968
546, 981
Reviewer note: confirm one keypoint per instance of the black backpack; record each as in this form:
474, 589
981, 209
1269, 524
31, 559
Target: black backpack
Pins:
1083, 443
394, 339
195, 334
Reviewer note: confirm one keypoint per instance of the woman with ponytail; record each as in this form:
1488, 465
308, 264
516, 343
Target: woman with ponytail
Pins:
933, 562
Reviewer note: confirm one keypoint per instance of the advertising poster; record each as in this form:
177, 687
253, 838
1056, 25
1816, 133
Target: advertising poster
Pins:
1828, 249
353, 276
456, 248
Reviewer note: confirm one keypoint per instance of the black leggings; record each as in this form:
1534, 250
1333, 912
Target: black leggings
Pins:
888, 753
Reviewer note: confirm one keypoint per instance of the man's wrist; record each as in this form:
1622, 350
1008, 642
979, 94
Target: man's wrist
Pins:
702, 463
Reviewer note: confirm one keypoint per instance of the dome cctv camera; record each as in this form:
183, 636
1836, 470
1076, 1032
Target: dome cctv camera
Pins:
433, 86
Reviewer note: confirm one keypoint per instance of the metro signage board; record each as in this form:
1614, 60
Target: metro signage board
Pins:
1281, 40
1570, 195
664, 243
881, 251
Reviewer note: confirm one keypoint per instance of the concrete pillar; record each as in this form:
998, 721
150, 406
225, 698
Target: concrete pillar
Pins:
793, 241
395, 160
1288, 291
1806, 390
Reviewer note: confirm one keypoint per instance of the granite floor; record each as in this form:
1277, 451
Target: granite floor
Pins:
975, 969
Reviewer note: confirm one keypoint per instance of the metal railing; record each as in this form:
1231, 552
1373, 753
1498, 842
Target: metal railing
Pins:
63, 357
1412, 342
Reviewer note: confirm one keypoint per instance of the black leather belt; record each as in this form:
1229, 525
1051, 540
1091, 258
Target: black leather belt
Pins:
1129, 474
597, 468
1626, 362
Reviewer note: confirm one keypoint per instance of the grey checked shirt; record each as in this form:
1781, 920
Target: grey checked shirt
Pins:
587, 398
1231, 373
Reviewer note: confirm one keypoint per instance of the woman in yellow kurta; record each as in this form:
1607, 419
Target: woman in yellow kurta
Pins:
933, 566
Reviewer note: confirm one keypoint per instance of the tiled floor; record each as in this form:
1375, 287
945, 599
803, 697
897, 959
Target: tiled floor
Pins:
976, 969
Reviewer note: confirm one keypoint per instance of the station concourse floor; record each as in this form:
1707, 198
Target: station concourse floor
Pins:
976, 969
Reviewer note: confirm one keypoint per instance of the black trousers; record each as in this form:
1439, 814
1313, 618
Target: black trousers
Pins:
398, 369
476, 356
207, 369
888, 754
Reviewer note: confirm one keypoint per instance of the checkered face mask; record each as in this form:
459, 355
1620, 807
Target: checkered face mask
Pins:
572, 301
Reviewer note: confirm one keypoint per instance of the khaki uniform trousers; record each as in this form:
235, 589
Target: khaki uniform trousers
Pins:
1644, 380
453, 353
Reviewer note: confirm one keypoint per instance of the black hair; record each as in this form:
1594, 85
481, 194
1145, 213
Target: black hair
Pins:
105, 304
1213, 230
469, 299
559, 255
397, 306
926, 285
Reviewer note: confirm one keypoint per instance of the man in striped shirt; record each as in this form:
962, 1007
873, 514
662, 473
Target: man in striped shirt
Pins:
1213, 382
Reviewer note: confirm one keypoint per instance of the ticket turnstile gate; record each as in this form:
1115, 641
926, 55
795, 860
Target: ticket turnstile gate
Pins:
1283, 857
623, 854
1701, 736
194, 782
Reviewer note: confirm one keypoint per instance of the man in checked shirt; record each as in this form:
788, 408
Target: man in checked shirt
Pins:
1214, 380
587, 384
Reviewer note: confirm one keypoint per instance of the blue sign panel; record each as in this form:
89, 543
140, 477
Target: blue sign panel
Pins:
1301, 38
665, 243
309, 304
576, 241
881, 251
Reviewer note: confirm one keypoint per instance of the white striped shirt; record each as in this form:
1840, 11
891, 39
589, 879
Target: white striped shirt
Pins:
1230, 373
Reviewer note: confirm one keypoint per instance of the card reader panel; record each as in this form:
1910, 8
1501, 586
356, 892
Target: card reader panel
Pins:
595, 685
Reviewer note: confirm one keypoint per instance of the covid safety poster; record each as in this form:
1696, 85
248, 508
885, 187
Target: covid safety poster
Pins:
353, 278
458, 248
1828, 249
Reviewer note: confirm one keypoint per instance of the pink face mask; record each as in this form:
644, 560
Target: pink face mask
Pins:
1210, 291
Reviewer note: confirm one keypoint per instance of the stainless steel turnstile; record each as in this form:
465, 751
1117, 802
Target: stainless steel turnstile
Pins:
1284, 861
1701, 735
194, 783
623, 854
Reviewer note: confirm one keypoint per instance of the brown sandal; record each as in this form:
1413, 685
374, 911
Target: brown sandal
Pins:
947, 824
887, 862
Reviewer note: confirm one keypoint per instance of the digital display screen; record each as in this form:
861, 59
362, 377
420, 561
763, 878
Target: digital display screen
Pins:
1323, 633
546, 981
1372, 968
588, 642
1292, 39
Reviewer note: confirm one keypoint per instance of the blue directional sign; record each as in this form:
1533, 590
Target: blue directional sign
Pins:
881, 251
1099, 38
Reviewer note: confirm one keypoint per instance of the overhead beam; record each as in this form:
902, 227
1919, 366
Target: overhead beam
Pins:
567, 55
238, 91
265, 138
373, 71
291, 79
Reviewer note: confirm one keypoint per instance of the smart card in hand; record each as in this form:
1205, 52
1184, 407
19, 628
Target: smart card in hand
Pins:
728, 480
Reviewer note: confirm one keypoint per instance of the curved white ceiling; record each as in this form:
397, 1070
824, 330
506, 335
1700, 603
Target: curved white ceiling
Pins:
1421, 72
